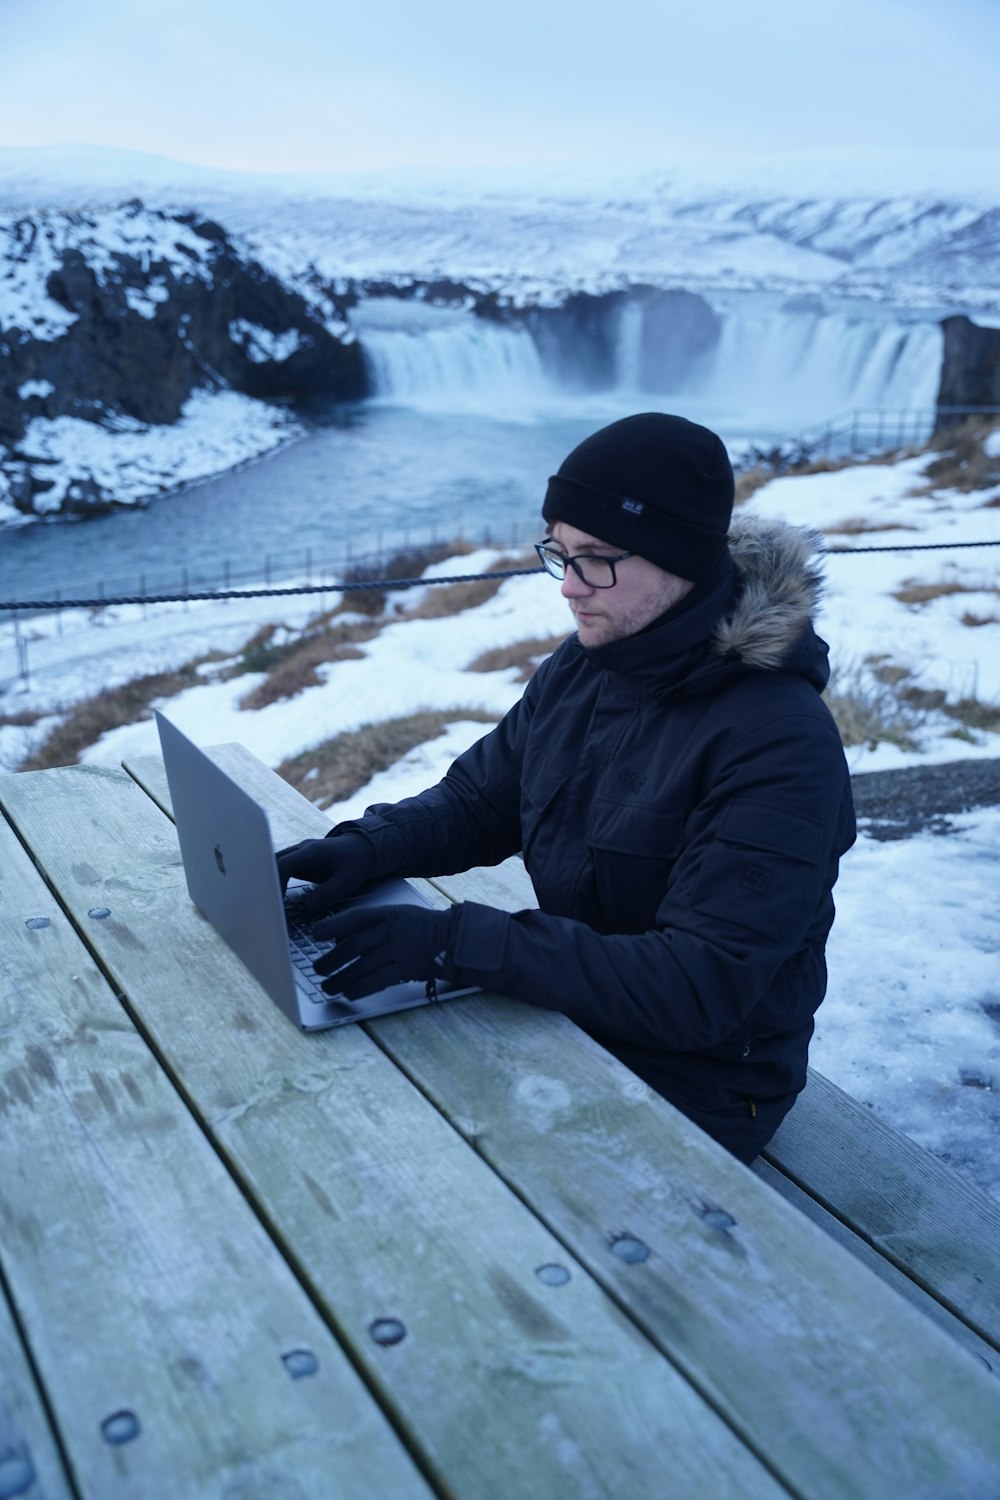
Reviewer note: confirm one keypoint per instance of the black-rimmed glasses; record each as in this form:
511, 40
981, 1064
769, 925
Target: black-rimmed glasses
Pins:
596, 571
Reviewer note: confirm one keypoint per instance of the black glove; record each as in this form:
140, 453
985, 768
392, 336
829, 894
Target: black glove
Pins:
380, 945
338, 865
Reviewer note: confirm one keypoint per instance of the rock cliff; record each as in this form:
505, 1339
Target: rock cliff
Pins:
970, 367
119, 317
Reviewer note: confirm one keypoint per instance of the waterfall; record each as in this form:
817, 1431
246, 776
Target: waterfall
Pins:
446, 357
628, 350
750, 364
792, 367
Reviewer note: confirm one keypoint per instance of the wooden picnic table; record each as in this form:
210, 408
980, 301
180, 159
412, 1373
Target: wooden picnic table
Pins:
460, 1251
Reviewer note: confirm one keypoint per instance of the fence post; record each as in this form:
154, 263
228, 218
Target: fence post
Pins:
21, 646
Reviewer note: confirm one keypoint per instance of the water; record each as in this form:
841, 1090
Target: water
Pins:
364, 481
367, 479
461, 442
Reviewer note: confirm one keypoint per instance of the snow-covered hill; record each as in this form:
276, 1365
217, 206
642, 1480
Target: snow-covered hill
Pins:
784, 293
921, 230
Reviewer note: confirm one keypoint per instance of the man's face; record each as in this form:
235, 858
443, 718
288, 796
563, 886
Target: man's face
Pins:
642, 593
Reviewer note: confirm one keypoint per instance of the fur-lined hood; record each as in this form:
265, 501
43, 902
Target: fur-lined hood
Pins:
753, 614
780, 585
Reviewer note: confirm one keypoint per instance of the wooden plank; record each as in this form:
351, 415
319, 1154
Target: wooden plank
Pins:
947, 1262
174, 1343
923, 1217
846, 1387
870, 1257
514, 1373
29, 1456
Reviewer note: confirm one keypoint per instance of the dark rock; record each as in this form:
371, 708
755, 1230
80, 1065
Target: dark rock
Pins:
970, 369
640, 336
897, 804
85, 497
578, 341
148, 329
678, 330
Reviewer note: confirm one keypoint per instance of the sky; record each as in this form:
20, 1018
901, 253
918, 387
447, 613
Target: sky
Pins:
910, 1023
313, 86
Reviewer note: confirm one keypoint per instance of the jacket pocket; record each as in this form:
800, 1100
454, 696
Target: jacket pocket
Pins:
543, 779
633, 849
759, 870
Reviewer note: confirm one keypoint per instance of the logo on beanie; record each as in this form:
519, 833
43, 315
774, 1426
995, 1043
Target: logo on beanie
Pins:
634, 507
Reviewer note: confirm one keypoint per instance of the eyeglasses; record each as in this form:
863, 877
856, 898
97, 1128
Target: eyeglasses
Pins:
595, 571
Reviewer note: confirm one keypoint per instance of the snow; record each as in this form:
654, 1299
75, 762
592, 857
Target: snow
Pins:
216, 431
261, 345
872, 225
145, 300
911, 1023
929, 639
31, 249
30, 388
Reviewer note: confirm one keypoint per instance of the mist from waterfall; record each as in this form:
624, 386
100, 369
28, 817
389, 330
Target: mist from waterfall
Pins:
771, 369
446, 359
792, 368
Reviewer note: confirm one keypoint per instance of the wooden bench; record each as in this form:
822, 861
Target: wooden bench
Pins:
459, 1251
921, 1227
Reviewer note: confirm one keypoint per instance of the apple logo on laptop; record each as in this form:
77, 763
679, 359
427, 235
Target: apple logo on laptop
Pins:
219, 859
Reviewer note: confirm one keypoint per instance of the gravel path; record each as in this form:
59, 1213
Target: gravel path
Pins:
896, 804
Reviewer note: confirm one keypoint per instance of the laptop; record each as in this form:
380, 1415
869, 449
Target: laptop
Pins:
232, 878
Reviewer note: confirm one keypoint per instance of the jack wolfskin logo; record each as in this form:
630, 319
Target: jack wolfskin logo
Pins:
631, 780
634, 507
756, 878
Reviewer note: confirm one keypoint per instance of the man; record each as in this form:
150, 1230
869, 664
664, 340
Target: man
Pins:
673, 779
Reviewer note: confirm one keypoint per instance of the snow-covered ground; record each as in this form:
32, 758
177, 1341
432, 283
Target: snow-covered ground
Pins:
216, 432
911, 1024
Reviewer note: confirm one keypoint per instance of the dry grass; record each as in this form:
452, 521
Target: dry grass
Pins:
975, 620
409, 562
112, 709
292, 665
525, 655
868, 707
914, 592
452, 598
974, 714
897, 685
962, 462
748, 481
23, 720
862, 525
339, 767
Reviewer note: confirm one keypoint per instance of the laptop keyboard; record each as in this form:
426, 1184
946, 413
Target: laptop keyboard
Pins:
304, 951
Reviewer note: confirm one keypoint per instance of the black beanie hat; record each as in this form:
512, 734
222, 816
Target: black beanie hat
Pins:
652, 484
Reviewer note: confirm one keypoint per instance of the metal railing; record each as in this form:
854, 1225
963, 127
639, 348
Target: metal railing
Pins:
881, 429
220, 575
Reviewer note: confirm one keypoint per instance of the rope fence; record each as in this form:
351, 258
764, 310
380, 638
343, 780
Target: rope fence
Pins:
385, 584
372, 585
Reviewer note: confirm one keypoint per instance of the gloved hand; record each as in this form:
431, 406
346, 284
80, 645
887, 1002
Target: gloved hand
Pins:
380, 945
339, 866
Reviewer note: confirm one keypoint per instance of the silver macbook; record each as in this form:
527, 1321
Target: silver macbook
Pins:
232, 878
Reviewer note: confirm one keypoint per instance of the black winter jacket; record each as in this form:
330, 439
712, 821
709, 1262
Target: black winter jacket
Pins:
682, 800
